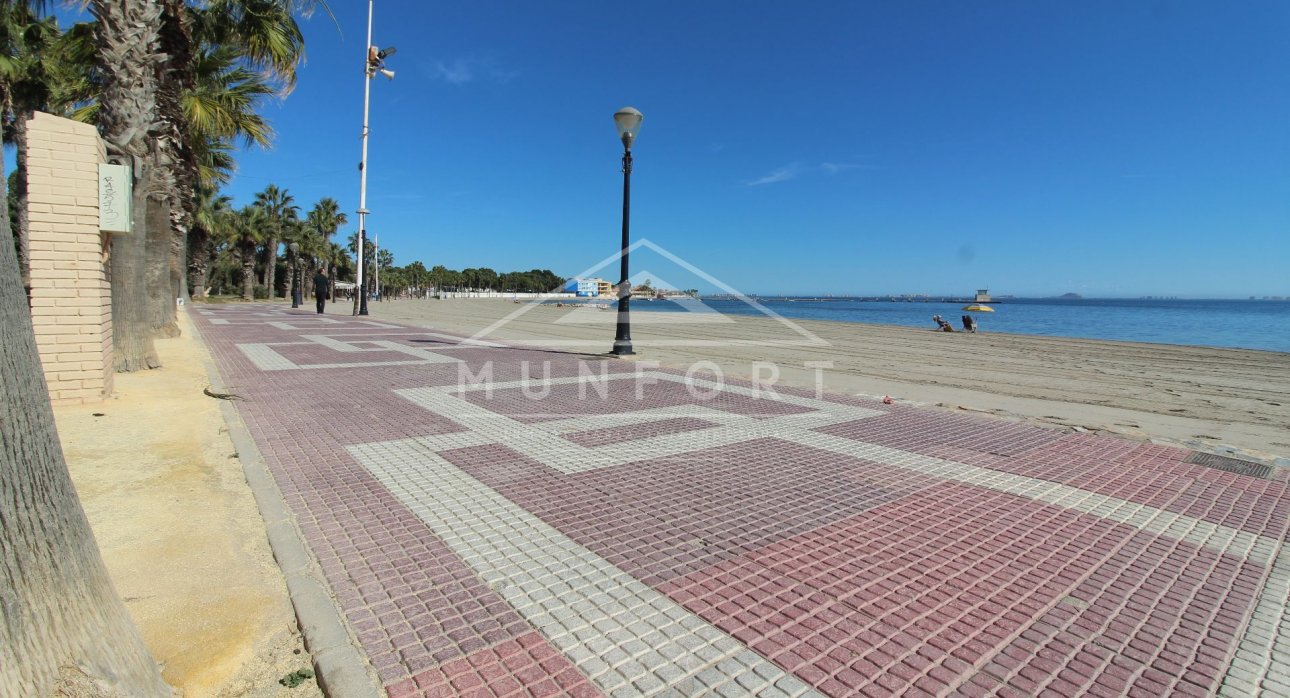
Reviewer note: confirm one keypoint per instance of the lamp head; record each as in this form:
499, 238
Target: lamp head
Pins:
628, 121
386, 52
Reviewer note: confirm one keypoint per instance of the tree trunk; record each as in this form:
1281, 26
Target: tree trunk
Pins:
199, 261
248, 271
175, 77
161, 292
63, 625
270, 265
131, 322
127, 58
179, 259
22, 220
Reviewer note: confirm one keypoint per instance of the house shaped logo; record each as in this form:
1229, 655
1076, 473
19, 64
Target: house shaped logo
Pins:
692, 312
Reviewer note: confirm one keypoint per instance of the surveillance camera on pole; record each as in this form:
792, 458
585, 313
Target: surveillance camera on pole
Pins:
374, 64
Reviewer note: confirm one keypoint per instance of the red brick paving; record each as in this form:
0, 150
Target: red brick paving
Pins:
632, 432
665, 517
917, 590
860, 578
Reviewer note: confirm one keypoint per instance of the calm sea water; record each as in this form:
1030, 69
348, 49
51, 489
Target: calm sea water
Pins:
1242, 324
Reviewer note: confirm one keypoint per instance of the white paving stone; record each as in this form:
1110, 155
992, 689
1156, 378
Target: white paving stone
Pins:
629, 639
1264, 652
541, 441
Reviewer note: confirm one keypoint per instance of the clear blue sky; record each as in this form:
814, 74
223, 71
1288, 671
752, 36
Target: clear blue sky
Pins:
1109, 148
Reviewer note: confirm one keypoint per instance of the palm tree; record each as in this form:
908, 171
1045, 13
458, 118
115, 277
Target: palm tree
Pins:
219, 110
249, 231
143, 51
339, 262
128, 60
213, 220
326, 217
280, 209
219, 56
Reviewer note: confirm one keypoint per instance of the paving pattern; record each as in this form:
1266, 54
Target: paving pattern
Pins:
508, 521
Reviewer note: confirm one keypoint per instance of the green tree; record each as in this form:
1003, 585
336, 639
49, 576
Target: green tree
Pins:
145, 51
214, 219
249, 231
26, 44
280, 211
326, 217
220, 111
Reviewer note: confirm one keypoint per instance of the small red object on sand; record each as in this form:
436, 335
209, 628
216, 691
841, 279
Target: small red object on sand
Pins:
886, 399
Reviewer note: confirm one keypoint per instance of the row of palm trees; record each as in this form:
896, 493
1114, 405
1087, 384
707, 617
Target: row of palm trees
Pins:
242, 244
174, 86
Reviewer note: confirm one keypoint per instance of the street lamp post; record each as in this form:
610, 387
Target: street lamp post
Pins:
374, 63
295, 274
628, 120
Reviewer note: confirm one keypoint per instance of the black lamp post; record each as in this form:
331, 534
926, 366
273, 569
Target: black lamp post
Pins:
295, 274
363, 276
628, 120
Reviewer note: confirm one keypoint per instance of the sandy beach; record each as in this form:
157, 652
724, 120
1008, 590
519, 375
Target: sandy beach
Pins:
1188, 395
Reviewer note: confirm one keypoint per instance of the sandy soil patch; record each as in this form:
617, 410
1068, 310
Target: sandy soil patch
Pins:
180, 531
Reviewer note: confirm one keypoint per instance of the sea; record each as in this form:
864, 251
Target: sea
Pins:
1240, 324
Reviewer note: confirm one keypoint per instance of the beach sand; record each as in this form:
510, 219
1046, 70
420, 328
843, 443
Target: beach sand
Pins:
1187, 395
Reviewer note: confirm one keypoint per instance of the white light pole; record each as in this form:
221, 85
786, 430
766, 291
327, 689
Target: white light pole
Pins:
374, 62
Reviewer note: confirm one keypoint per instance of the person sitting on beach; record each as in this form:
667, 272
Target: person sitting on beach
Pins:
969, 323
941, 324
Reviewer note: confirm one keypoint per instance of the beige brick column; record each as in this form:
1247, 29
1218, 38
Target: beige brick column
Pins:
71, 301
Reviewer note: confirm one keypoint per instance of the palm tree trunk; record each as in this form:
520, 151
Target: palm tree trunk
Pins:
175, 77
248, 271
199, 260
270, 265
127, 58
64, 628
161, 289
22, 221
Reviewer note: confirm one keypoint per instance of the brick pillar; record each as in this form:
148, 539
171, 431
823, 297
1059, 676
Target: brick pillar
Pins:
71, 301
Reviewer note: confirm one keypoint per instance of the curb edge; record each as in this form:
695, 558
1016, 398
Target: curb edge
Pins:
338, 665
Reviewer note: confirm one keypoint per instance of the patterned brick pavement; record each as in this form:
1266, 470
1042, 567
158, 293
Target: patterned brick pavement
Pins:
503, 521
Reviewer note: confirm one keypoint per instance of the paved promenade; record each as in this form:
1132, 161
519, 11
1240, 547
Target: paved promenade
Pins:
500, 521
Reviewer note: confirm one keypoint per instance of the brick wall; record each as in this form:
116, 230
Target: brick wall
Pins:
71, 302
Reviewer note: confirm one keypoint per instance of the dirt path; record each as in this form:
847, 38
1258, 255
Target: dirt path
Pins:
180, 531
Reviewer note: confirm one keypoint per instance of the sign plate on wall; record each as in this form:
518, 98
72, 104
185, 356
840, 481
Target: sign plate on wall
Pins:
114, 198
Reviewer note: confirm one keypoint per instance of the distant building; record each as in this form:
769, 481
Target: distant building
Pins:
582, 288
604, 288
982, 295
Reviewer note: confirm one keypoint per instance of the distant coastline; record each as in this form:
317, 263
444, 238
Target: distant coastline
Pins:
1228, 323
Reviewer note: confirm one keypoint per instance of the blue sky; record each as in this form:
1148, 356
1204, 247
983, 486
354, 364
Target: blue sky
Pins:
1035, 148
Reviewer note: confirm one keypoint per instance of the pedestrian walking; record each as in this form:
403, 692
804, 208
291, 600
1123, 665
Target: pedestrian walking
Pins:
322, 289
